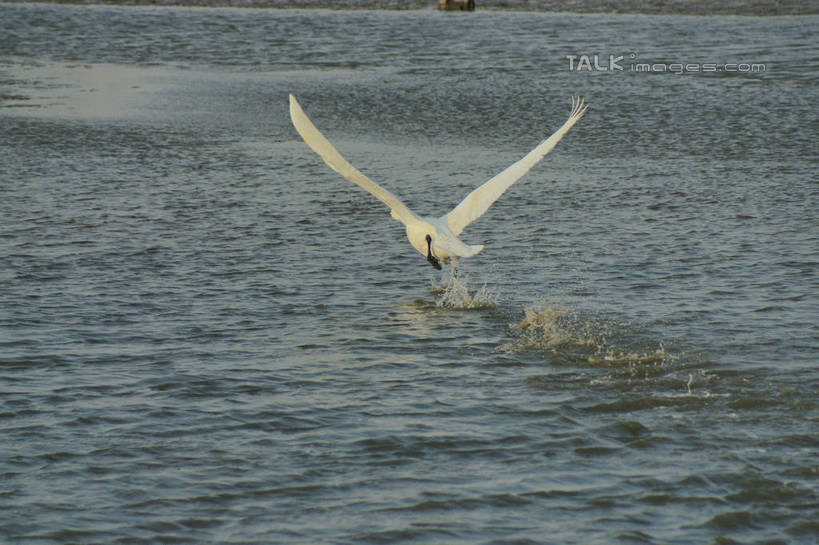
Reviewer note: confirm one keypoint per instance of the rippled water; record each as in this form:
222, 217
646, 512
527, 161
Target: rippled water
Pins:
207, 336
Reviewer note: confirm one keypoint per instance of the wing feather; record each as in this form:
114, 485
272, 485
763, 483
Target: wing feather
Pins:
478, 202
313, 138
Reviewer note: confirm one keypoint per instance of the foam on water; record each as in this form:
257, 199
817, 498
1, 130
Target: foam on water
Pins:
574, 340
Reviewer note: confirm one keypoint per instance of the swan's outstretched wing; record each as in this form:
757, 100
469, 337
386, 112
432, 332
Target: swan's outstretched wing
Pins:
478, 202
332, 157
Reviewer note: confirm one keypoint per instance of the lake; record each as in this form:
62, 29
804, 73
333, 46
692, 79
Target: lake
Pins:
208, 336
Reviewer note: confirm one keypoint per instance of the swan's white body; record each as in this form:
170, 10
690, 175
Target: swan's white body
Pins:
436, 238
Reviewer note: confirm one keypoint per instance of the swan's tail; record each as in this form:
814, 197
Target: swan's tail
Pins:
474, 249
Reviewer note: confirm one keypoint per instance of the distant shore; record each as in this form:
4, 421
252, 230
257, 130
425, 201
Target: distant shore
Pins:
655, 7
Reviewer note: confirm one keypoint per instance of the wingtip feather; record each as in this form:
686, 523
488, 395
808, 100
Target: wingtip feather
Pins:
579, 107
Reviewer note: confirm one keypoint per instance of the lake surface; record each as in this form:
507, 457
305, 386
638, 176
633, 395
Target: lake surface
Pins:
207, 336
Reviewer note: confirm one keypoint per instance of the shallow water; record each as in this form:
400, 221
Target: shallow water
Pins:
207, 336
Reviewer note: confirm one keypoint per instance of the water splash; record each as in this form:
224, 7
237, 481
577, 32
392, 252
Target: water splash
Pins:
453, 292
544, 328
573, 340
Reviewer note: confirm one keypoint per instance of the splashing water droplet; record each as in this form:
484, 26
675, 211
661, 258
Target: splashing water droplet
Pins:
454, 292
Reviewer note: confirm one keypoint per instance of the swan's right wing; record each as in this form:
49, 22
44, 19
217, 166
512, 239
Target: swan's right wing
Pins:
333, 158
478, 202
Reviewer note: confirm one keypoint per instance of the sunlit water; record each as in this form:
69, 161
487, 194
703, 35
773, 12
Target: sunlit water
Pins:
210, 337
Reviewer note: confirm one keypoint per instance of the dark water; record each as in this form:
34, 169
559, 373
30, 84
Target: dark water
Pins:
207, 336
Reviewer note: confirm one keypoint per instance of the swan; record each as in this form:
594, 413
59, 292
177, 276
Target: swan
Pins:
435, 238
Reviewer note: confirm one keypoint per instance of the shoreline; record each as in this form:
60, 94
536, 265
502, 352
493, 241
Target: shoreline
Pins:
759, 8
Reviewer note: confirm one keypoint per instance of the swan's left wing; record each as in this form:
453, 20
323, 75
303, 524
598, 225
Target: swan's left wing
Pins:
333, 158
478, 202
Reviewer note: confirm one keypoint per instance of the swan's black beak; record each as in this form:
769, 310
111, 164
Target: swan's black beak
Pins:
431, 258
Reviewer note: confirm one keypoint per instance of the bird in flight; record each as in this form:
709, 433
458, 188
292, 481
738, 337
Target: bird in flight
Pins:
435, 238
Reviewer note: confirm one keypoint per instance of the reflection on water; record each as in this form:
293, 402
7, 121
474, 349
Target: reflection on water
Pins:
77, 90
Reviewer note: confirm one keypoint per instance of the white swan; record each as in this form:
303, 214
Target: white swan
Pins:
435, 238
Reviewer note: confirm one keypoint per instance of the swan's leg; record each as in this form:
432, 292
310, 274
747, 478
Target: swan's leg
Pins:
454, 262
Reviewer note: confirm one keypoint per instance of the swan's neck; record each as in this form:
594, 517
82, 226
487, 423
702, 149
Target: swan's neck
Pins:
431, 258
